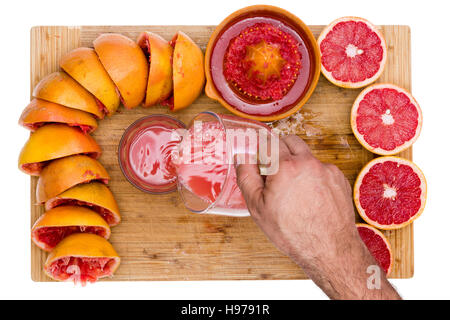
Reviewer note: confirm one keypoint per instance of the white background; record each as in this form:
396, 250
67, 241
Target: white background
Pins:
431, 87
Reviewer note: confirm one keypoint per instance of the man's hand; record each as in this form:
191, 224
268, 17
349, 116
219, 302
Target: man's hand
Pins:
306, 210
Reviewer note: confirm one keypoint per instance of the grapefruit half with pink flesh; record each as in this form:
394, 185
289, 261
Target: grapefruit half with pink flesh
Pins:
386, 119
94, 195
56, 224
82, 257
390, 192
378, 246
353, 52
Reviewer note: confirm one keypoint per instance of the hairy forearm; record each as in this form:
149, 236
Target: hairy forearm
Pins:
350, 273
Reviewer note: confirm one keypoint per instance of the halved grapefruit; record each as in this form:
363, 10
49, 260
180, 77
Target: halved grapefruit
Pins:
386, 119
353, 52
62, 174
390, 192
126, 64
54, 141
188, 72
378, 246
159, 53
59, 88
84, 66
60, 222
82, 257
94, 195
40, 112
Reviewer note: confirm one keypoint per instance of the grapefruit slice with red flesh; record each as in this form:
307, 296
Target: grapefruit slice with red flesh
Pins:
377, 244
40, 112
386, 119
94, 195
58, 223
390, 192
82, 257
353, 52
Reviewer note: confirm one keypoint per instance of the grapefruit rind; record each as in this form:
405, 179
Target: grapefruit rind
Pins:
82, 245
160, 52
365, 170
68, 216
360, 137
55, 141
346, 84
62, 174
386, 241
188, 71
89, 194
126, 64
60, 88
40, 112
83, 65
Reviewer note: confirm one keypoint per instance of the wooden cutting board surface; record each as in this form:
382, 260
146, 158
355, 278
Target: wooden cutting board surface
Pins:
158, 238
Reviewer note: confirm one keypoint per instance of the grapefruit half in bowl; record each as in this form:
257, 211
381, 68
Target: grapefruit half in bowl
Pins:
62, 174
58, 223
94, 195
82, 257
59, 88
390, 192
386, 119
40, 112
54, 141
378, 246
353, 52
84, 66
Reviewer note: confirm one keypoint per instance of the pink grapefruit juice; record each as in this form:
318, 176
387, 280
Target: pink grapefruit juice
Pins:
150, 155
205, 166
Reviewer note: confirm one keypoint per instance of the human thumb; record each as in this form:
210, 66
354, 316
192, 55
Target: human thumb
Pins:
249, 180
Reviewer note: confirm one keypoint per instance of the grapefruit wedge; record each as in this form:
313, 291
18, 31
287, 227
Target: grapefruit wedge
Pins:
386, 119
159, 53
126, 64
94, 195
62, 174
84, 66
59, 88
54, 141
353, 52
82, 257
40, 112
390, 192
378, 246
60, 222
188, 72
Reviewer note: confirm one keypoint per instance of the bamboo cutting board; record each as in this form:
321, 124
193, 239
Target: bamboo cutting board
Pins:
158, 238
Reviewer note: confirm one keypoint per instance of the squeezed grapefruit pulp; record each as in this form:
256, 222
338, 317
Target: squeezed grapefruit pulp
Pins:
51, 236
261, 65
82, 257
80, 269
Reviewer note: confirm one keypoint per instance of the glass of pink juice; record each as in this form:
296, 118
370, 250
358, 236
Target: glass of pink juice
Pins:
205, 161
145, 153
